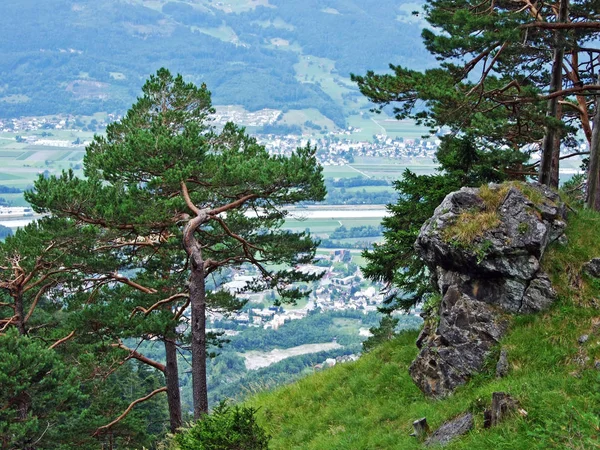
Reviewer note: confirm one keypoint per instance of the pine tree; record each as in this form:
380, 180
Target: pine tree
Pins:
495, 81
162, 178
512, 76
50, 380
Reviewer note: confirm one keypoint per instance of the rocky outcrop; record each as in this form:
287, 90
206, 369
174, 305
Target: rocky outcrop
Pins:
485, 278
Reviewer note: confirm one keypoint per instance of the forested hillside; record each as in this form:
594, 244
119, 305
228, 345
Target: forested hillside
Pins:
67, 56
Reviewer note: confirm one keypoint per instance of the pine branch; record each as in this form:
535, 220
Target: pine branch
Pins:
159, 303
128, 410
41, 292
62, 340
137, 355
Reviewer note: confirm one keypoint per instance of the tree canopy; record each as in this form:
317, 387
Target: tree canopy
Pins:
177, 201
514, 78
514, 74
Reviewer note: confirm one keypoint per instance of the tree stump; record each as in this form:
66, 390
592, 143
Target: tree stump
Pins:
421, 428
502, 405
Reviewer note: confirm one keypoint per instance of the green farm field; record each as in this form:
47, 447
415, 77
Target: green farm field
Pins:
323, 227
371, 124
346, 171
23, 162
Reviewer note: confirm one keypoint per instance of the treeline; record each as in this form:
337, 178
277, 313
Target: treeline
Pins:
5, 232
356, 232
9, 190
359, 245
279, 129
355, 182
339, 197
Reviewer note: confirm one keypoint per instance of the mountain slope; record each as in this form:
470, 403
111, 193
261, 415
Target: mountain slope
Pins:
81, 56
372, 403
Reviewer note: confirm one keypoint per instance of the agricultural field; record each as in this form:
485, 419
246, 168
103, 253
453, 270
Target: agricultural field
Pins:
25, 155
322, 228
380, 168
321, 71
371, 124
22, 162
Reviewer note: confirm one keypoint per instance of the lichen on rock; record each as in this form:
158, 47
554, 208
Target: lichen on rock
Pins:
483, 272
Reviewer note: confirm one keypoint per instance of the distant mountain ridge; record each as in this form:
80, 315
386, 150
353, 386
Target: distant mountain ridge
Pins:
66, 56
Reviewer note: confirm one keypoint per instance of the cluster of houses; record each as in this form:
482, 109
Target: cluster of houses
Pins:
59, 122
334, 291
340, 151
224, 114
335, 147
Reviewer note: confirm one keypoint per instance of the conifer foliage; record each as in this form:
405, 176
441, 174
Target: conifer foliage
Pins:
167, 201
514, 77
519, 74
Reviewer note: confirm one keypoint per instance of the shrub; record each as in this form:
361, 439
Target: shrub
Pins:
226, 428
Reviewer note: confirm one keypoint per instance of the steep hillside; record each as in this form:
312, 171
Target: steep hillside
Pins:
553, 372
82, 56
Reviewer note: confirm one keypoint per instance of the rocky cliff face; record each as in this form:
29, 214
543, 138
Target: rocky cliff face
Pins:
483, 248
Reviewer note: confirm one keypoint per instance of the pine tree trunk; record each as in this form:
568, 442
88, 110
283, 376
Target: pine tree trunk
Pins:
554, 173
20, 313
22, 402
593, 193
552, 112
197, 289
198, 304
172, 376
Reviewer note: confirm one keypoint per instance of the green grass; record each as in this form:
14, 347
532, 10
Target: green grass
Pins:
12, 154
371, 404
223, 33
300, 116
372, 124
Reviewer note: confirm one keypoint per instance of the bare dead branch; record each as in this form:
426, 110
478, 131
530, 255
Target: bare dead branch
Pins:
563, 25
562, 93
133, 284
488, 69
537, 163
7, 322
182, 310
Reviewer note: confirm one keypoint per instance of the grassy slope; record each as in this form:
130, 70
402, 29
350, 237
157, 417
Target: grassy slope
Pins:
372, 403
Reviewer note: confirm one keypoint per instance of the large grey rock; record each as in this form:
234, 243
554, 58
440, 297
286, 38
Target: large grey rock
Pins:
451, 430
497, 273
457, 347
